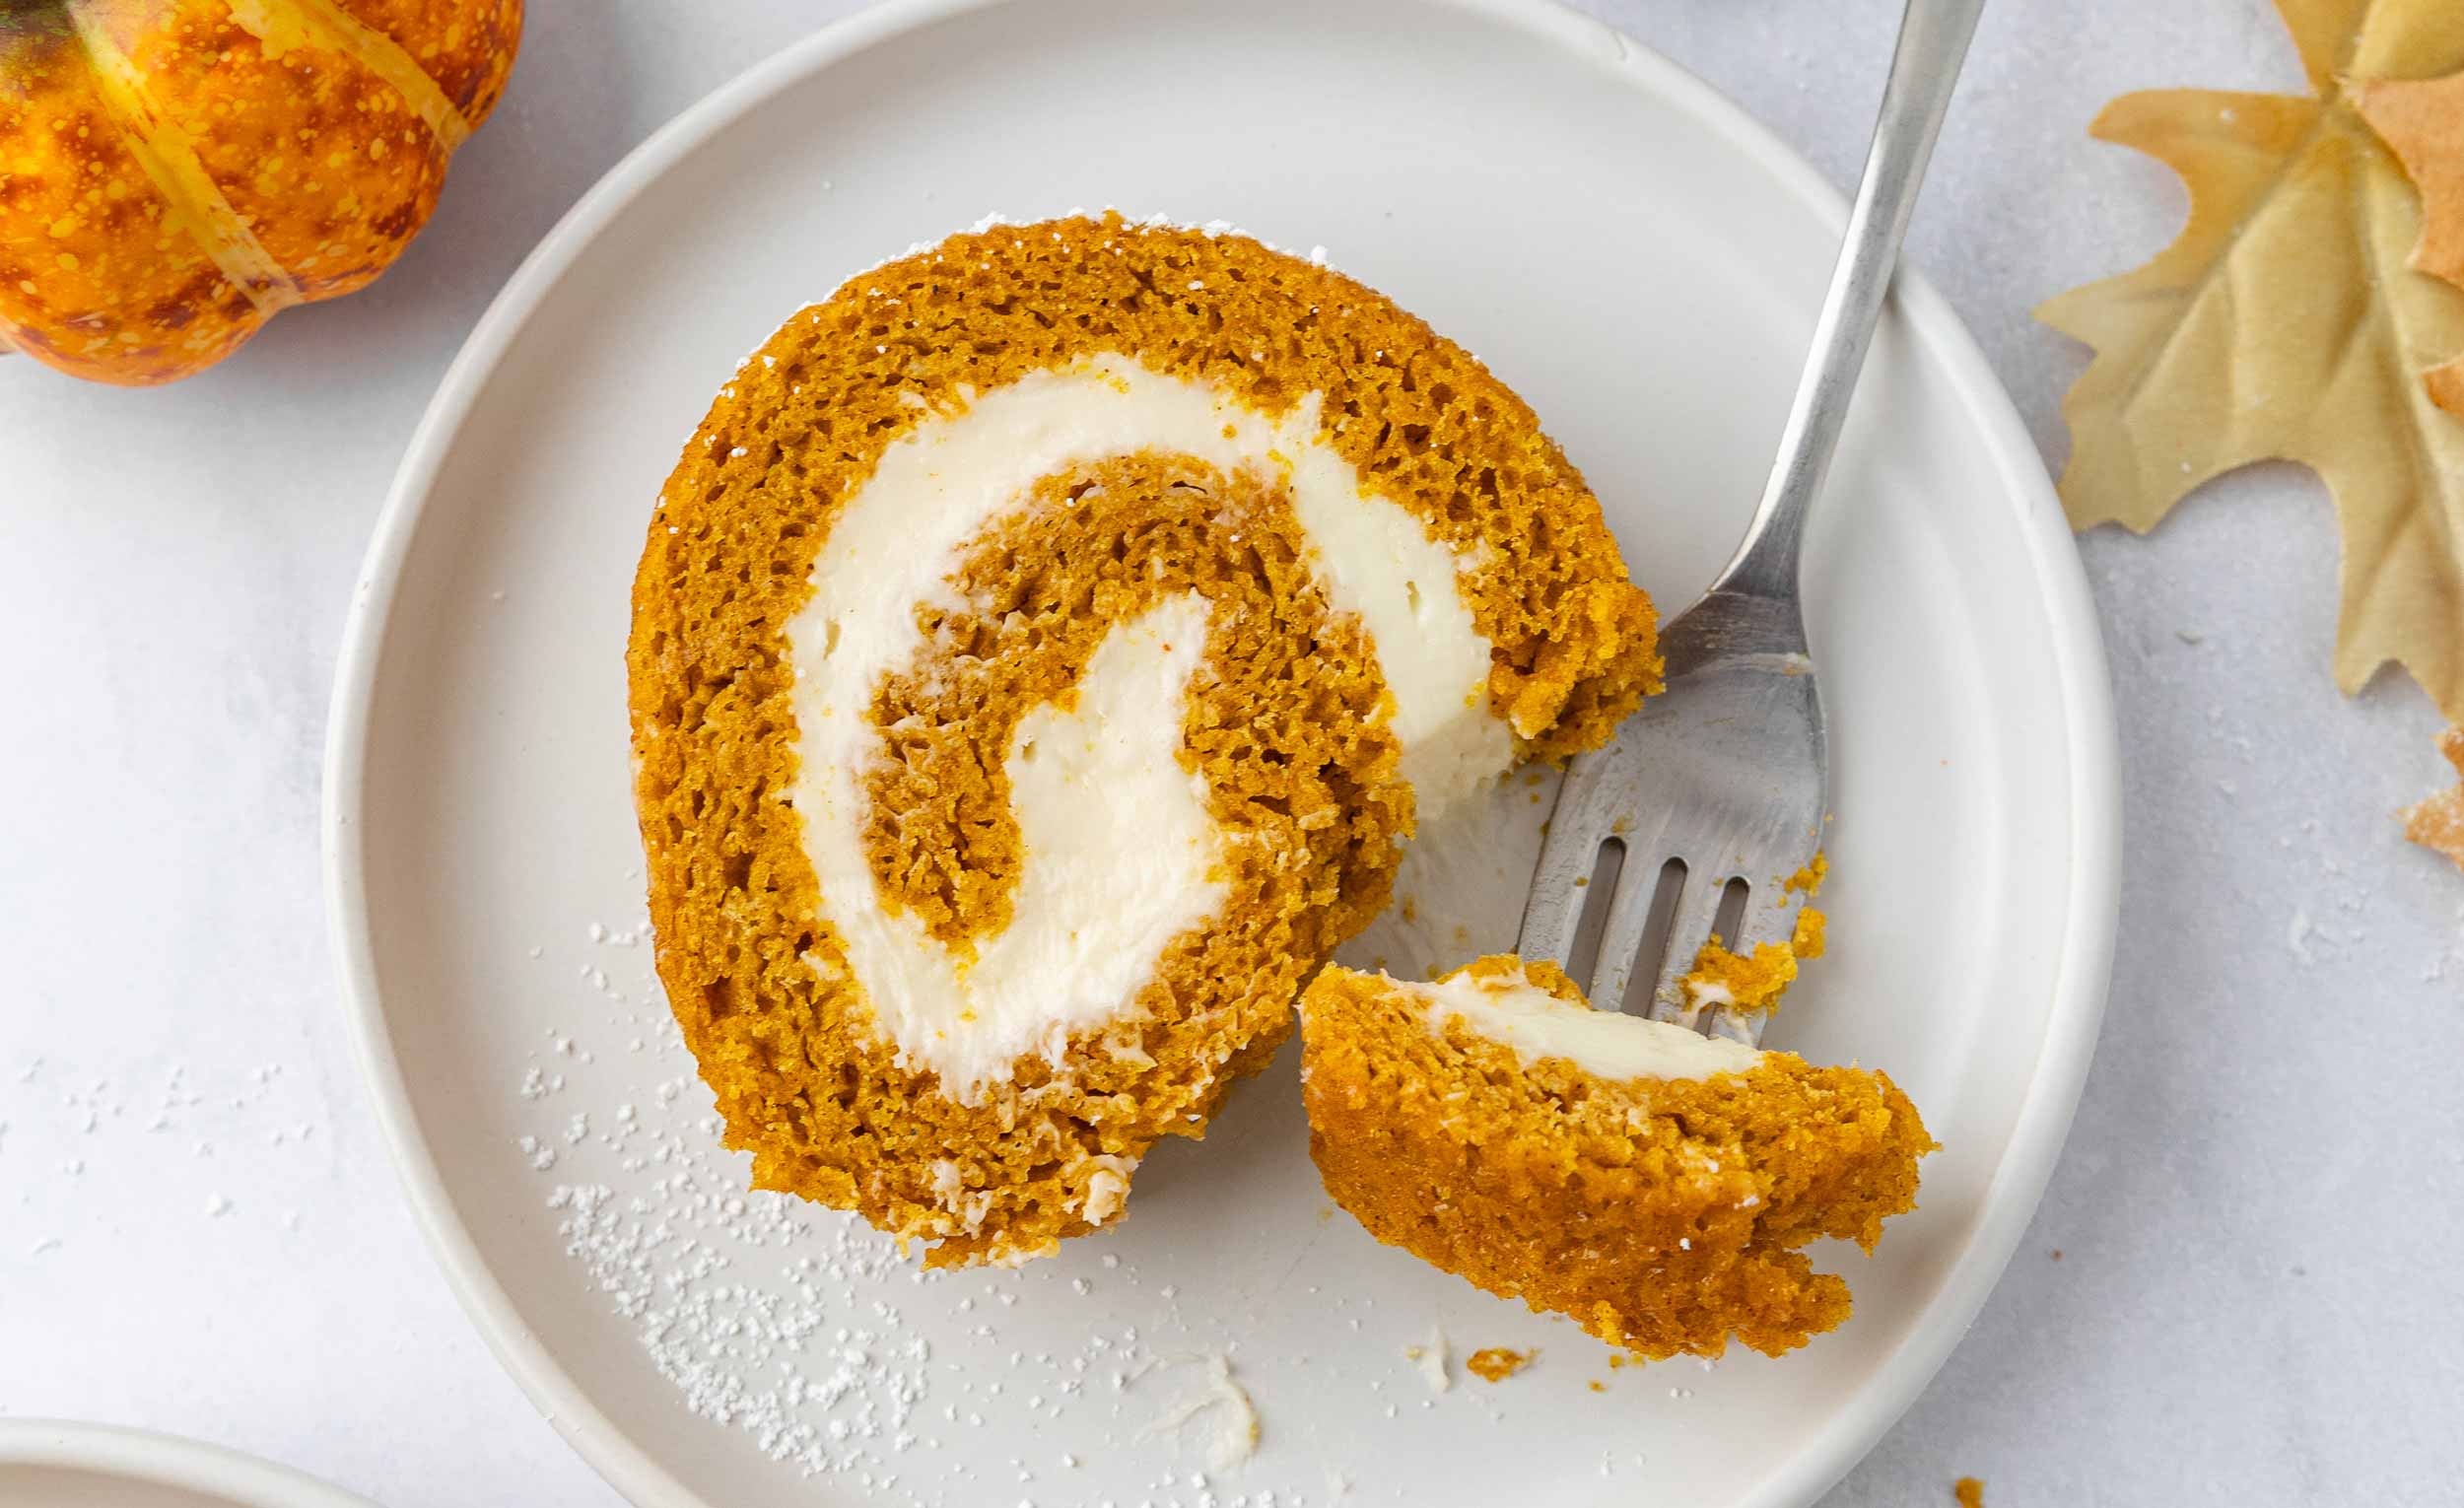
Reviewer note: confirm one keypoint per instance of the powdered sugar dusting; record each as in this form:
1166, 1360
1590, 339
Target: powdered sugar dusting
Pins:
775, 1358
807, 1330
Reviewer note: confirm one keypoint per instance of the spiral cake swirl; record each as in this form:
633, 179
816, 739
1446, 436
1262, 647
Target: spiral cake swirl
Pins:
1039, 655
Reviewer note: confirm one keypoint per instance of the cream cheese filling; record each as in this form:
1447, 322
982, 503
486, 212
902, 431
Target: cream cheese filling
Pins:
1606, 1044
1120, 854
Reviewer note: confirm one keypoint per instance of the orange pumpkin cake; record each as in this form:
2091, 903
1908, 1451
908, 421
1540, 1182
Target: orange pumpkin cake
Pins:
1652, 1183
1039, 654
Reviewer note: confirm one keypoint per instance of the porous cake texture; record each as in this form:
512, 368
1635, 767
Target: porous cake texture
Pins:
1654, 1185
1039, 653
1744, 983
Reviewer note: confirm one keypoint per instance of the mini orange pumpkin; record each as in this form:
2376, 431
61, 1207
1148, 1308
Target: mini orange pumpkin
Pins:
175, 172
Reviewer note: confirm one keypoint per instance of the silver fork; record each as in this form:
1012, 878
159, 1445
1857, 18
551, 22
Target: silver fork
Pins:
1716, 787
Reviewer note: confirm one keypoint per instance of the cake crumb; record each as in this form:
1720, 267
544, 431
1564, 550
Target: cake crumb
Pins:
2437, 824
1811, 934
1970, 1491
1721, 979
1496, 1364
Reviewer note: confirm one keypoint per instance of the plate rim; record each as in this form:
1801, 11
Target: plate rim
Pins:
168, 1460
2038, 1131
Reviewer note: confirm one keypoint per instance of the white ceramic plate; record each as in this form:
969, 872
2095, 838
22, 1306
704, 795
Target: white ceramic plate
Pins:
54, 1463
1639, 260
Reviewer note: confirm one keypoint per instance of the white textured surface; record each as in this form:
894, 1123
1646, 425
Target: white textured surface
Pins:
2255, 1213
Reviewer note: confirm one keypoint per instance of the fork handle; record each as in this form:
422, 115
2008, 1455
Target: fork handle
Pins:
1933, 40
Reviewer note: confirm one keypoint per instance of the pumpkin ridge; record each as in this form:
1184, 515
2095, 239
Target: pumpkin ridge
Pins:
333, 27
163, 151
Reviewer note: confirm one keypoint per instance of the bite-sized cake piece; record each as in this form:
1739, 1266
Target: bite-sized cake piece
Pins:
1039, 654
1650, 1182
1746, 982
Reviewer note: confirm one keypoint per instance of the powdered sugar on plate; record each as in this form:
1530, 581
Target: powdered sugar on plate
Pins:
796, 1324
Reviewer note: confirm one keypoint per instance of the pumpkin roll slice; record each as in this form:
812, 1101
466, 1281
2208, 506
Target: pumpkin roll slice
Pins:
1039, 655
1652, 1184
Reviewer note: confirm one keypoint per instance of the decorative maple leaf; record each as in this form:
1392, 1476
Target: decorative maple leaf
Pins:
2284, 324
2422, 119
